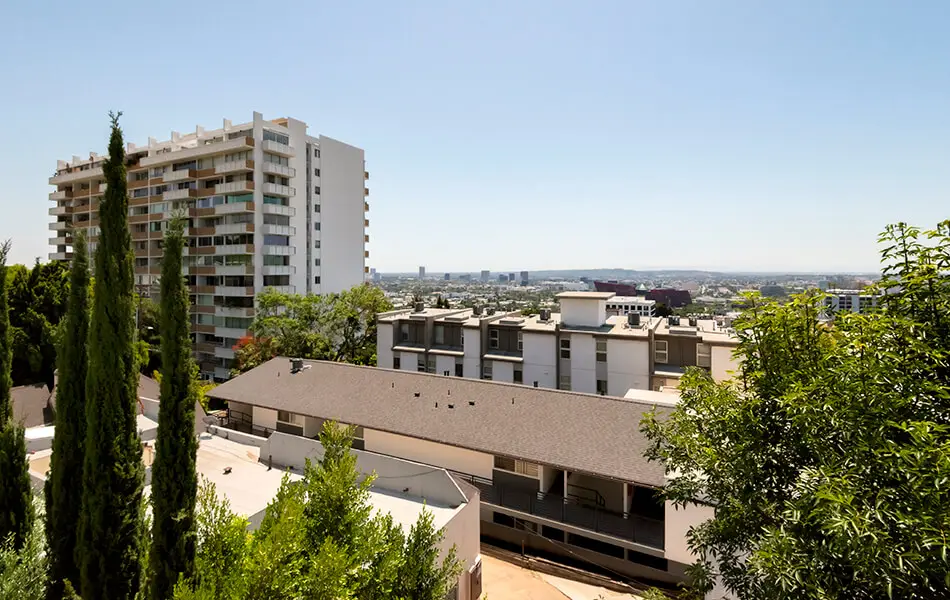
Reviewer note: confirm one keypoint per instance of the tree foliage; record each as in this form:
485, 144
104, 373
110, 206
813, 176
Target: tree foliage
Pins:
319, 538
16, 498
64, 482
340, 327
37, 303
828, 458
174, 479
110, 530
23, 568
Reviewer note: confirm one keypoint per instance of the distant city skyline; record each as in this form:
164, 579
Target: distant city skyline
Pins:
747, 137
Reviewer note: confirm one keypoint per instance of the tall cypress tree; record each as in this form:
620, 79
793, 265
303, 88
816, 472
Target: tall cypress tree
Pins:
16, 496
64, 484
110, 536
174, 481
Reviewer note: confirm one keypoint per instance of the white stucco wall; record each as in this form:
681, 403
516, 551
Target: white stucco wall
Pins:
547, 477
628, 366
723, 363
678, 522
583, 360
408, 361
472, 362
341, 215
384, 345
430, 453
265, 417
503, 370
583, 311
540, 358
443, 364
464, 532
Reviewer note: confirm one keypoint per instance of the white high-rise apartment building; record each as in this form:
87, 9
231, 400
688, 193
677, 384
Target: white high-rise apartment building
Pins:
267, 204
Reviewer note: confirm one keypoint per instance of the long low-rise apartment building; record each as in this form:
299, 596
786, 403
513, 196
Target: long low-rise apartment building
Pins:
582, 348
268, 206
561, 472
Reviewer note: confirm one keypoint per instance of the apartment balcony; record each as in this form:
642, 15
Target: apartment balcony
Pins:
283, 289
278, 270
75, 174
179, 175
234, 270
142, 218
230, 332
180, 194
234, 166
278, 229
230, 311
57, 211
366, 191
366, 238
234, 187
233, 249
365, 206
199, 328
61, 240
59, 225
206, 347
365, 175
235, 145
365, 222
200, 231
205, 309
233, 290
279, 250
224, 352
277, 209
276, 169
365, 253
231, 208
276, 189
572, 511
60, 255
60, 195
277, 148
233, 228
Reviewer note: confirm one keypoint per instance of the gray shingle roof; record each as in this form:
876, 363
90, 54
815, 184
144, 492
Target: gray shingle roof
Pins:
578, 432
31, 405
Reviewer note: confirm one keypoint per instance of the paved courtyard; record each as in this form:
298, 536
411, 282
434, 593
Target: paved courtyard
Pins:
506, 581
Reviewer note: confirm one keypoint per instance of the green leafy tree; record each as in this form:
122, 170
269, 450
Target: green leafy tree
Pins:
110, 535
37, 302
64, 484
174, 480
23, 568
422, 576
16, 497
827, 457
340, 327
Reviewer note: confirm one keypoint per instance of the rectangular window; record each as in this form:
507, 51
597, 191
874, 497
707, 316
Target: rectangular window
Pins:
439, 335
155, 226
520, 342
459, 370
316, 262
703, 355
430, 365
316, 172
276, 137
316, 153
486, 372
660, 351
316, 280
493, 339
316, 189
602, 387
565, 383
316, 243
518, 376
316, 226
290, 418
421, 364
404, 332
396, 362
316, 208
566, 349
601, 350
521, 467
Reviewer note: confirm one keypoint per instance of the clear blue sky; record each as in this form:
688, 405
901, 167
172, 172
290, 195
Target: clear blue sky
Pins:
742, 135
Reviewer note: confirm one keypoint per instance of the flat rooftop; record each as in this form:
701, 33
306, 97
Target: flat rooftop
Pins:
587, 295
631, 300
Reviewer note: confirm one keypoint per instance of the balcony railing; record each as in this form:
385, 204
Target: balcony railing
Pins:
278, 209
279, 190
571, 511
277, 169
179, 175
278, 148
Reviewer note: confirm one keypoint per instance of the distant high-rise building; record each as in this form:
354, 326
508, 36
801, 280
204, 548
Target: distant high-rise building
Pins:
447, 276
270, 206
485, 276
422, 272
511, 277
502, 278
465, 277
524, 278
